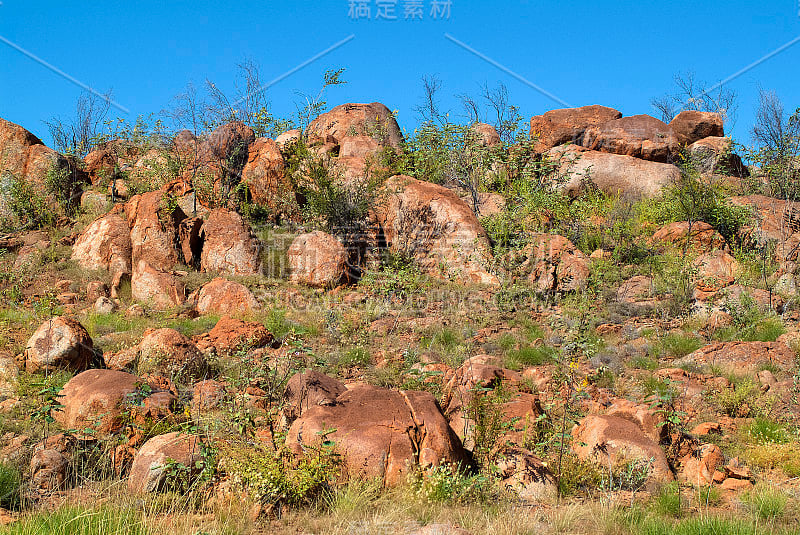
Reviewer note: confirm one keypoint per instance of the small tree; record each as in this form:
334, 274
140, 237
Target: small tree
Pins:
691, 94
79, 135
777, 150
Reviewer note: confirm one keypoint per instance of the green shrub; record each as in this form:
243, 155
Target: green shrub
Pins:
28, 203
738, 401
577, 476
449, 484
278, 478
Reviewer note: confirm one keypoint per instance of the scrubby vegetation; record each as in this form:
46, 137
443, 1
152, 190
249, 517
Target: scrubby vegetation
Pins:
663, 332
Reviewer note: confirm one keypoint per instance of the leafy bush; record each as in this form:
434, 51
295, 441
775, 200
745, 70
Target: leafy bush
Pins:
450, 484
694, 198
28, 203
276, 478
739, 401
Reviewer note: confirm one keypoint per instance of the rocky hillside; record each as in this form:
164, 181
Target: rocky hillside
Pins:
590, 326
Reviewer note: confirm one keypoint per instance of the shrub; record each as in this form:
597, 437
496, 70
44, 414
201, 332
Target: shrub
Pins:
450, 484
276, 478
28, 203
739, 401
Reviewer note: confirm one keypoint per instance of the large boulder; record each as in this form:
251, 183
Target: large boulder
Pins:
699, 465
714, 155
640, 136
372, 120
691, 125
697, 236
317, 259
380, 433
557, 127
95, 400
552, 263
25, 157
168, 353
153, 465
105, 245
265, 176
431, 224
613, 173
162, 290
153, 225
487, 135
224, 297
309, 389
15, 144
229, 143
613, 440
229, 245
59, 343
354, 134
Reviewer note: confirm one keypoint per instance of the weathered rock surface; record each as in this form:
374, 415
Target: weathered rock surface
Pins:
264, 174
94, 400
317, 259
224, 297
169, 353
435, 227
640, 136
230, 335
59, 343
380, 433
105, 245
613, 439
151, 465
557, 127
691, 125
311, 388
553, 264
162, 290
613, 173
229, 245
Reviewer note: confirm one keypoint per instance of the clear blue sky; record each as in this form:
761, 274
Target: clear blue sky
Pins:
617, 53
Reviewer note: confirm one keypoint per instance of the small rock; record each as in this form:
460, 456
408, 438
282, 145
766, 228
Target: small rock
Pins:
104, 305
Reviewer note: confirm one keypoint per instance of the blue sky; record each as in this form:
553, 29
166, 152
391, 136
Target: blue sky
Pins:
619, 54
